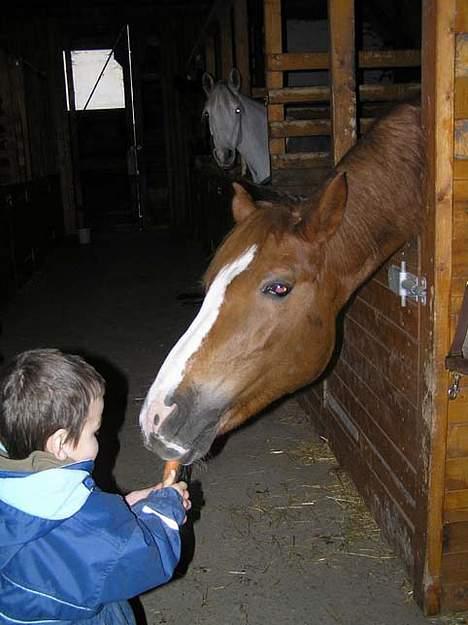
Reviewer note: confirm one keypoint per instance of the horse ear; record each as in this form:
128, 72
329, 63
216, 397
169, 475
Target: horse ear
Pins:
207, 83
234, 79
327, 215
242, 203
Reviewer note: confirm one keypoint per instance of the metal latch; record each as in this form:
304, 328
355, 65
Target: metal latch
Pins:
406, 285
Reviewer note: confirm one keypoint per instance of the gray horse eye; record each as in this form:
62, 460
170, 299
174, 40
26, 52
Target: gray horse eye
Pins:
238, 111
205, 114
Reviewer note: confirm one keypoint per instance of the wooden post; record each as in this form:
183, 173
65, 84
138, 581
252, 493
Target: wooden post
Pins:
436, 258
342, 76
60, 115
210, 58
242, 44
75, 154
274, 79
225, 25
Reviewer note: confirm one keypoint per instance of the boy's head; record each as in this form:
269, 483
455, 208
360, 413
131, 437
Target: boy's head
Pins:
50, 401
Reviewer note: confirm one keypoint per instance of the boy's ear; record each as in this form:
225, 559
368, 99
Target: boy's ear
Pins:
56, 445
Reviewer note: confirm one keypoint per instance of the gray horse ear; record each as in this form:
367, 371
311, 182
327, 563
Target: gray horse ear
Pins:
234, 79
242, 203
323, 218
207, 83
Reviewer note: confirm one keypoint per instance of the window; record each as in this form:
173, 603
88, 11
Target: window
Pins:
87, 66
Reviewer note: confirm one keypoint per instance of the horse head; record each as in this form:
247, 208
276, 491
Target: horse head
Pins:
236, 122
275, 286
266, 326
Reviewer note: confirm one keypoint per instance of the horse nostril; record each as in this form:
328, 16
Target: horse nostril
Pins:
156, 420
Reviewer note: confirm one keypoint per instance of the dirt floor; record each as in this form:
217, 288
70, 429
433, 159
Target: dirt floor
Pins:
278, 535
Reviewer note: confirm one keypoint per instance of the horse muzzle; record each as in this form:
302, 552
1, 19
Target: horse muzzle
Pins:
224, 158
189, 429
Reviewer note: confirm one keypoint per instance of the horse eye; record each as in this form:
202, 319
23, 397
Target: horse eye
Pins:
238, 111
205, 114
278, 289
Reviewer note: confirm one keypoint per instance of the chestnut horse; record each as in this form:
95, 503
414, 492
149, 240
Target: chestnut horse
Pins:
276, 285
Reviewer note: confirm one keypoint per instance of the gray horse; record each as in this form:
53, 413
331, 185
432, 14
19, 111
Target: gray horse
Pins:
237, 123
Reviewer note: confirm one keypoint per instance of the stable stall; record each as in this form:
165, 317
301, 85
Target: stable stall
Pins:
384, 404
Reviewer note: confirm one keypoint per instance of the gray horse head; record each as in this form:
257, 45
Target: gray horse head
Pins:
236, 123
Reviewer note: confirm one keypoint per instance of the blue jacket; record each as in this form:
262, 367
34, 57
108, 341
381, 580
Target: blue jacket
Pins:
67, 548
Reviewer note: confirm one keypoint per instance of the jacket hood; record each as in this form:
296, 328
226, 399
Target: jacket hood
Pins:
32, 503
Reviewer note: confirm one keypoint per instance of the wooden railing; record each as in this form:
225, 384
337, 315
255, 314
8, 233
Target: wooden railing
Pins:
339, 101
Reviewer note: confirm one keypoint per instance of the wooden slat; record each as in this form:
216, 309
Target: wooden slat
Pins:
456, 474
457, 440
380, 297
300, 128
460, 169
461, 56
455, 568
367, 93
225, 27
300, 160
388, 463
358, 461
461, 140
384, 357
461, 98
342, 77
216, 10
456, 537
456, 500
389, 425
461, 17
274, 79
454, 597
210, 58
367, 59
396, 92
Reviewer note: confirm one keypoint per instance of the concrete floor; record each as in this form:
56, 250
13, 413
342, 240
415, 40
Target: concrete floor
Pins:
278, 534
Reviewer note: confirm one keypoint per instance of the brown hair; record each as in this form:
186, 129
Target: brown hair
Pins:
41, 391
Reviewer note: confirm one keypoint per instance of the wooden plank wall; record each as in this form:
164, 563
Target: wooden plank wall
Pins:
454, 568
367, 406
336, 113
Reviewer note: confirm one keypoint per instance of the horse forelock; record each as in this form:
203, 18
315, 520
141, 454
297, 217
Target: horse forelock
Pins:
275, 221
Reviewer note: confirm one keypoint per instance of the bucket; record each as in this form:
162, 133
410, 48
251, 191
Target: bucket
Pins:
84, 236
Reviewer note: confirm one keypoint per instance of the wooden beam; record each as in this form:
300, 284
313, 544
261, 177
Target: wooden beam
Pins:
301, 160
225, 29
436, 260
210, 56
214, 14
241, 37
367, 93
367, 59
342, 76
274, 79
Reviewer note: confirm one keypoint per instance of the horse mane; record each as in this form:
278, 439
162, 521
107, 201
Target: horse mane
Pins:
384, 172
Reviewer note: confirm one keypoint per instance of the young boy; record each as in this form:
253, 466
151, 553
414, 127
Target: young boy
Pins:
68, 551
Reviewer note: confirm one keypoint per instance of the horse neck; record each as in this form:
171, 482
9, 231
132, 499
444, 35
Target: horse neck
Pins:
253, 145
384, 209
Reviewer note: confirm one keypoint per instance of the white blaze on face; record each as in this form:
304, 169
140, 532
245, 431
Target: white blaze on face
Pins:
172, 370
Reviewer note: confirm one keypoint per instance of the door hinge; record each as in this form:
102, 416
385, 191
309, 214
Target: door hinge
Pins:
406, 285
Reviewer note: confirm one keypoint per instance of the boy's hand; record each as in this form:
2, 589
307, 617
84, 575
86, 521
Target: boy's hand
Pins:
136, 495
181, 487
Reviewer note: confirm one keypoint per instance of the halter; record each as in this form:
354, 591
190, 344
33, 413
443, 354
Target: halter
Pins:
238, 138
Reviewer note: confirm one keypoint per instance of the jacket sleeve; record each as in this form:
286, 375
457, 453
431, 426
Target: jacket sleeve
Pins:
152, 551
